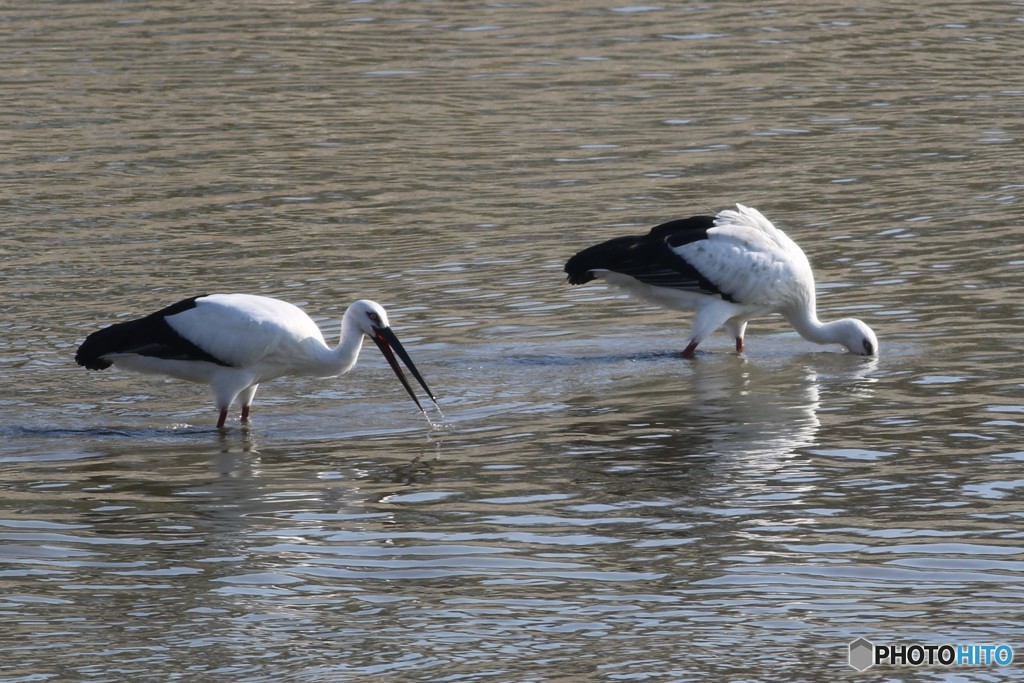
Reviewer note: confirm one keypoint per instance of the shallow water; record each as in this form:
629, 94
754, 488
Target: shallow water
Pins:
598, 508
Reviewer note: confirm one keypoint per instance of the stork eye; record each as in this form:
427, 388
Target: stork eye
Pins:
374, 317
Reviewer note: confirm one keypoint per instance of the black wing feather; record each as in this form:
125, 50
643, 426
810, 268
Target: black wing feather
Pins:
149, 336
649, 258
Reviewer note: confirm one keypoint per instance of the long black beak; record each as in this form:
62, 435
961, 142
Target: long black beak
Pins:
386, 340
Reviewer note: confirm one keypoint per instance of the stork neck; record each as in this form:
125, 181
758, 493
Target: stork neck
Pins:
805, 322
343, 356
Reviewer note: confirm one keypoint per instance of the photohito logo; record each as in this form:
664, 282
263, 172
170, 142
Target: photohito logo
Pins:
865, 654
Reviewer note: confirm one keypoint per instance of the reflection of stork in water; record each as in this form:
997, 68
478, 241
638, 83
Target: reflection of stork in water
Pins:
744, 416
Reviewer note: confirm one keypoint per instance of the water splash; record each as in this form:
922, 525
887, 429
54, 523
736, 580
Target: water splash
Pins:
443, 426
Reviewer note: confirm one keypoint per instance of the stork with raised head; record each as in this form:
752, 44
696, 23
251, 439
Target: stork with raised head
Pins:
234, 342
727, 268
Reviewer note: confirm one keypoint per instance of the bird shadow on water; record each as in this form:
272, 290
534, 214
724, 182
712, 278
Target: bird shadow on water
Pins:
172, 432
22, 444
550, 359
37, 444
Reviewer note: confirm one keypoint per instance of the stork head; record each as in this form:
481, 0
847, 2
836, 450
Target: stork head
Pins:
858, 338
371, 319
369, 316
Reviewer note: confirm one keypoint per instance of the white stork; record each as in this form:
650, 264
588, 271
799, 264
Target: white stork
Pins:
234, 342
727, 268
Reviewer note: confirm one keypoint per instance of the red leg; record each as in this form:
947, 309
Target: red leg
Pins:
690, 350
739, 344
223, 417
245, 414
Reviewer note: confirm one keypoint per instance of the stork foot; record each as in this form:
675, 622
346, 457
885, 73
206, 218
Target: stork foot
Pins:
739, 345
223, 418
690, 350
245, 414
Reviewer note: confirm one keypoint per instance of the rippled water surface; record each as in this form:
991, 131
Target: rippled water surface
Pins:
598, 509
